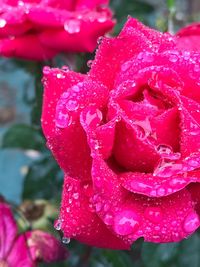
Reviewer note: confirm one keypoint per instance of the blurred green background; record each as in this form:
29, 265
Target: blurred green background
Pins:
27, 169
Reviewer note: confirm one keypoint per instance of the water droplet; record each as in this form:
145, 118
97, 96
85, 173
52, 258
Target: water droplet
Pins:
63, 120
98, 206
2, 23
165, 151
126, 222
108, 219
58, 225
102, 19
75, 195
72, 26
72, 105
99, 40
65, 240
160, 192
191, 222
154, 214
89, 63
196, 67
93, 117
60, 76
173, 58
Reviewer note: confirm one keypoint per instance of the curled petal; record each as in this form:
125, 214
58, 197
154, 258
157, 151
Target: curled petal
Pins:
45, 247
8, 230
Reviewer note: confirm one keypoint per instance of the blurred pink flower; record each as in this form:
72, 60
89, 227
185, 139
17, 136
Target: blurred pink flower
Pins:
40, 29
25, 250
189, 37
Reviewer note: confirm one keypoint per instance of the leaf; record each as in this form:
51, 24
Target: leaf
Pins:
23, 136
182, 254
43, 180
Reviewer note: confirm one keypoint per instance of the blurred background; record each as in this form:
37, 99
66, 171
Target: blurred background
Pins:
31, 180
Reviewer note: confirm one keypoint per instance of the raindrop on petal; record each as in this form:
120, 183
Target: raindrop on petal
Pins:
126, 222
191, 222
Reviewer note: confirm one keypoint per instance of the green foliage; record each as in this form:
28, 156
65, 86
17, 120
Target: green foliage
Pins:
43, 180
182, 254
23, 136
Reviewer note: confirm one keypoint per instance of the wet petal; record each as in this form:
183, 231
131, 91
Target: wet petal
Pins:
45, 247
132, 216
27, 46
8, 230
78, 219
189, 37
23, 258
157, 186
60, 134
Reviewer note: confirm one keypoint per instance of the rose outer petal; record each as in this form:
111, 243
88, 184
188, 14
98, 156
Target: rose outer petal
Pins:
20, 254
8, 230
78, 218
26, 46
60, 140
45, 247
132, 216
189, 37
137, 38
69, 39
155, 186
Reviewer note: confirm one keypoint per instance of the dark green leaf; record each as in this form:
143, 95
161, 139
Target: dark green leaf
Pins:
23, 136
44, 180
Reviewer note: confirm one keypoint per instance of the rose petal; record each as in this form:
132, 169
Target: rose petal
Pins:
45, 247
132, 216
8, 230
20, 255
156, 186
27, 47
61, 140
137, 38
68, 39
189, 37
78, 219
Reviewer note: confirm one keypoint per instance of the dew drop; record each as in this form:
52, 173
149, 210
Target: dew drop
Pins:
173, 58
63, 120
58, 225
89, 63
102, 19
2, 23
191, 222
65, 240
60, 76
126, 222
108, 219
93, 117
154, 214
75, 195
72, 105
72, 26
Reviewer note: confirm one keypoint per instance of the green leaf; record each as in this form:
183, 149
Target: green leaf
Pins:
43, 180
182, 254
23, 136
159, 255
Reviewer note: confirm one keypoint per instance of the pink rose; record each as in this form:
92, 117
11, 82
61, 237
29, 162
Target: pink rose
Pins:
18, 250
189, 37
127, 136
40, 29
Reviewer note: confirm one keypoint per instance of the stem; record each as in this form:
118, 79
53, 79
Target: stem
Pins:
172, 11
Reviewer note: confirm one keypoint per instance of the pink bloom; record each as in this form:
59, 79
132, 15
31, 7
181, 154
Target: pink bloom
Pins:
189, 37
40, 29
25, 250
127, 136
